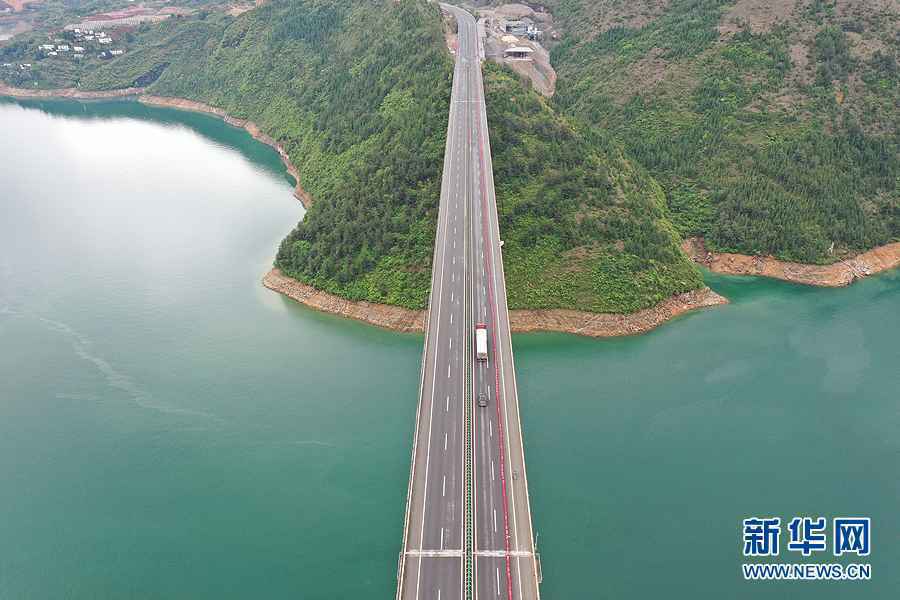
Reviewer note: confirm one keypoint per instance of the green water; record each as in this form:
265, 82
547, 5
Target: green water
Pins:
171, 429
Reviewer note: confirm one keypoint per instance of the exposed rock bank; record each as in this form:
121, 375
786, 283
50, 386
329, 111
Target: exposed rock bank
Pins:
839, 274
612, 325
73, 93
382, 315
521, 321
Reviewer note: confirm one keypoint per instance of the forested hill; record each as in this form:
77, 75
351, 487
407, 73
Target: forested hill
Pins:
771, 125
584, 228
357, 91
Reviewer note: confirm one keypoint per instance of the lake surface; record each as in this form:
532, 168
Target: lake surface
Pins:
171, 429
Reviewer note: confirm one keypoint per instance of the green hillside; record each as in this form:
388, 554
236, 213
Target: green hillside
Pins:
357, 91
771, 126
583, 227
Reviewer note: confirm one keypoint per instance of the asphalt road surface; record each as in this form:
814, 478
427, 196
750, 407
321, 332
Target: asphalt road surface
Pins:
468, 287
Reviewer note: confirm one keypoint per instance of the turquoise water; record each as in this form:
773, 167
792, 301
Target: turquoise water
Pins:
171, 429
644, 454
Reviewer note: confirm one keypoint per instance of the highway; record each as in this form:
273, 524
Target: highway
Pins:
468, 530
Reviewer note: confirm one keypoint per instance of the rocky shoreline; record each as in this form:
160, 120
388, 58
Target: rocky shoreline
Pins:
839, 274
612, 325
521, 321
396, 318
72, 93
177, 103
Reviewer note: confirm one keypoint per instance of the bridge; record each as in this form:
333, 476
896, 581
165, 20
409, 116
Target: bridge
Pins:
468, 531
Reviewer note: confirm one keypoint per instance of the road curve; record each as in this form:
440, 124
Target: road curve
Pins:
468, 287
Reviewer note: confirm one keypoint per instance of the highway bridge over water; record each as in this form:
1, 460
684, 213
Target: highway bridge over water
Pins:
468, 531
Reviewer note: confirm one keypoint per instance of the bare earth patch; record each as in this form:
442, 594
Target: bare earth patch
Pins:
760, 15
515, 11
19, 5
800, 63
849, 8
631, 14
648, 71
863, 47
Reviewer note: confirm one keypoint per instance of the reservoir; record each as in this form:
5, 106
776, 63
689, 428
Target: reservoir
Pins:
171, 429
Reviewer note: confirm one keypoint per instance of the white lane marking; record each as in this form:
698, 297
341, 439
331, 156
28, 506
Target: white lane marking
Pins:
451, 318
492, 469
498, 581
443, 261
451, 296
497, 274
495, 520
447, 408
439, 593
448, 370
492, 429
445, 442
443, 493
451, 343
442, 538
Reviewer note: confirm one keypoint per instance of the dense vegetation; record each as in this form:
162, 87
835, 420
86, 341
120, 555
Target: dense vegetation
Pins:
583, 227
364, 118
772, 127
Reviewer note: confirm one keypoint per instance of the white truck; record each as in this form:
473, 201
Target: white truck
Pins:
481, 343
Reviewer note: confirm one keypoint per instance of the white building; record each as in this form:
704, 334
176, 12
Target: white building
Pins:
117, 52
518, 52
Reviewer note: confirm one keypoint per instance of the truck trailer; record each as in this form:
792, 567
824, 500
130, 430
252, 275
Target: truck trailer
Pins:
481, 343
